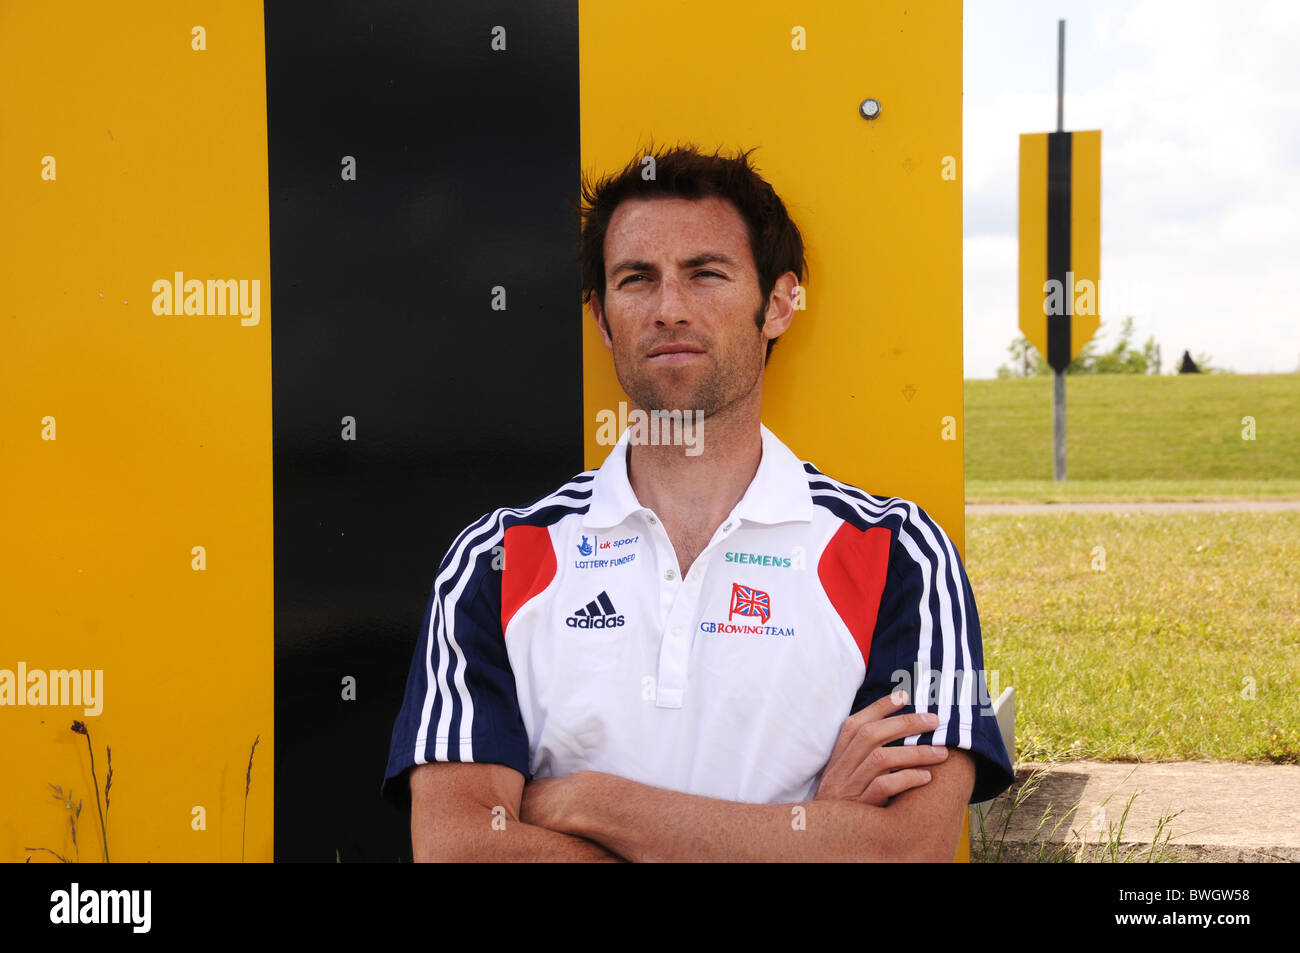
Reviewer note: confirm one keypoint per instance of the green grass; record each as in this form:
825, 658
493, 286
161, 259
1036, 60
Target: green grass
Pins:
1081, 491
1138, 429
1150, 658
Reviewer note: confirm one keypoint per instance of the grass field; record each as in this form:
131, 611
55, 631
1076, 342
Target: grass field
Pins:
1157, 655
1089, 491
1131, 436
1151, 637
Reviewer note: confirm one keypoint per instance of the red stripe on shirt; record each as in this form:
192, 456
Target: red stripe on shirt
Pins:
852, 571
529, 568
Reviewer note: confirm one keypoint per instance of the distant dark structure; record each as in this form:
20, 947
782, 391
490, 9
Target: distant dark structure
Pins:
1188, 366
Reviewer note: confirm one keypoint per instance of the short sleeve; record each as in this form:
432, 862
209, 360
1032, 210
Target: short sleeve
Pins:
460, 702
927, 641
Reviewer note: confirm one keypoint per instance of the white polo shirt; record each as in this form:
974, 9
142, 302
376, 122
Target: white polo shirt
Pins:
561, 636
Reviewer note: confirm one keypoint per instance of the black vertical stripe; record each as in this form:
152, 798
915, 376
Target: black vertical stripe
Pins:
382, 311
1058, 244
606, 604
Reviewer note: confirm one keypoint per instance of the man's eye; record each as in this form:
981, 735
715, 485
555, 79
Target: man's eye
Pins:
696, 275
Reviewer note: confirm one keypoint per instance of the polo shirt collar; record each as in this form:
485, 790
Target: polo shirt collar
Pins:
779, 492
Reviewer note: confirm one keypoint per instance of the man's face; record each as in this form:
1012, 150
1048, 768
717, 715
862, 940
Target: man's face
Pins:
681, 304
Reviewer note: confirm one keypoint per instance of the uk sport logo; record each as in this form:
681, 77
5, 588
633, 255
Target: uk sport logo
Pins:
600, 553
749, 602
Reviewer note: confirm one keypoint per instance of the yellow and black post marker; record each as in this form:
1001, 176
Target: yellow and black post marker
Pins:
1060, 247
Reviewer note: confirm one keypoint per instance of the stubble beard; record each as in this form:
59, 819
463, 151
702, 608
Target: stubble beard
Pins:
711, 394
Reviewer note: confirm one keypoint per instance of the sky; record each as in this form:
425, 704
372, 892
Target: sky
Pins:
1198, 104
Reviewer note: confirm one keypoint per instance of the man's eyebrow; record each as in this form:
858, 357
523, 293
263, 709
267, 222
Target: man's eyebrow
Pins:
694, 261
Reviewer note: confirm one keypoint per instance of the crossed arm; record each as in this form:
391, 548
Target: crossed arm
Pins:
874, 803
468, 811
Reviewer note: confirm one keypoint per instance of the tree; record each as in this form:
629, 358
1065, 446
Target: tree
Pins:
1025, 360
1203, 364
1121, 359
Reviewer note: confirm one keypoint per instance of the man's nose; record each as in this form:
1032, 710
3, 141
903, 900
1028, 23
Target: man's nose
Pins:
673, 308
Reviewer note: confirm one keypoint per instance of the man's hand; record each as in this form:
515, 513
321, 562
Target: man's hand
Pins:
862, 769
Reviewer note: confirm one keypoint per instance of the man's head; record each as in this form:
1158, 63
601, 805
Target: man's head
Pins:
690, 276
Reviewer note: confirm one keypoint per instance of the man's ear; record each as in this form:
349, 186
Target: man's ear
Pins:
780, 306
602, 323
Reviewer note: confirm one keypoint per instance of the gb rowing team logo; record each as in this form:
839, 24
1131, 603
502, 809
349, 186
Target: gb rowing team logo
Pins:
747, 603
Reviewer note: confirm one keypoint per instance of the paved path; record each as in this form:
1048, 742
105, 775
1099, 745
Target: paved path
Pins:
1230, 811
1182, 506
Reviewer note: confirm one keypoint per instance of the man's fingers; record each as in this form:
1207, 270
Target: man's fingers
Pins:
861, 751
883, 760
877, 710
877, 734
878, 714
886, 786
901, 726
866, 780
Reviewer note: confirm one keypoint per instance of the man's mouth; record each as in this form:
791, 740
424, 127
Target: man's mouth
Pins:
674, 354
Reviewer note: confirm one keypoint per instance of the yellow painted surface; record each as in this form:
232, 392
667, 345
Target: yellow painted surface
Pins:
1085, 228
1033, 238
162, 426
861, 383
1085, 234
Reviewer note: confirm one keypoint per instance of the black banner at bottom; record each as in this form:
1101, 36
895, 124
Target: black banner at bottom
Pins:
330, 902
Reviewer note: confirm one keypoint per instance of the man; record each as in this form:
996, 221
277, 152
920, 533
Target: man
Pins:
691, 652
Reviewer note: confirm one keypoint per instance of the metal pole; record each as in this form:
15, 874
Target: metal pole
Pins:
1058, 377
1060, 76
1058, 425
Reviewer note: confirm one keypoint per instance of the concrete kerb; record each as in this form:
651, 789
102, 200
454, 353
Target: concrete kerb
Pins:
1220, 811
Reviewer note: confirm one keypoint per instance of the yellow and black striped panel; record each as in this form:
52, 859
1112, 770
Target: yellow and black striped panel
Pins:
1060, 241
233, 511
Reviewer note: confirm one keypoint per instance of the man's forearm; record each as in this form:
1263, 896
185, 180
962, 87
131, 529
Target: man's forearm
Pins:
640, 822
467, 811
644, 823
504, 839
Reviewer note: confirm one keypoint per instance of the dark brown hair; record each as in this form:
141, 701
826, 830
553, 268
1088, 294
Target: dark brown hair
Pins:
685, 172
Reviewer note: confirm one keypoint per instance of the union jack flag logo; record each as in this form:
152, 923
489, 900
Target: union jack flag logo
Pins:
749, 602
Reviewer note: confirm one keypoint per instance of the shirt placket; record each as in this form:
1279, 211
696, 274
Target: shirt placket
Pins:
679, 601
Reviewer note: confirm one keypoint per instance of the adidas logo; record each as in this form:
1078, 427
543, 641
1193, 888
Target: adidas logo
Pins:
599, 613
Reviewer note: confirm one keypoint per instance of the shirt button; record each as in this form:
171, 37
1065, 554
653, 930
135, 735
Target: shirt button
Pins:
651, 520
670, 575
727, 528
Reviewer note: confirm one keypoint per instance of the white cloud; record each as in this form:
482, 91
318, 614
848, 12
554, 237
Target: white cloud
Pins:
1200, 168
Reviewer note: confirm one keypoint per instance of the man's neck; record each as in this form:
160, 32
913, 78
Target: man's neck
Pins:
692, 495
